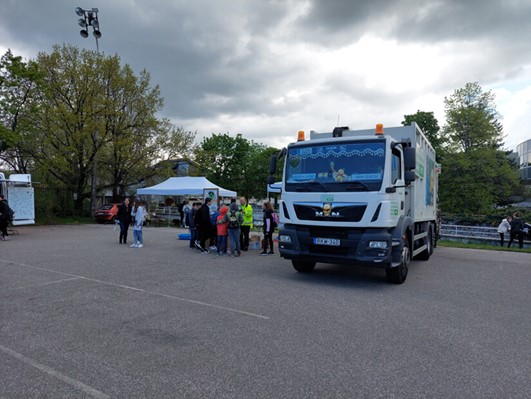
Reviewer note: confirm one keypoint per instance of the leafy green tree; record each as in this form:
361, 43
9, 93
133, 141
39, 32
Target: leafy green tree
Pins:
97, 113
429, 125
476, 173
472, 120
19, 82
235, 163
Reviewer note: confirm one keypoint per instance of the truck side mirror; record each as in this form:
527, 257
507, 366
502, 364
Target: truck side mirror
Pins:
410, 159
409, 176
271, 179
273, 165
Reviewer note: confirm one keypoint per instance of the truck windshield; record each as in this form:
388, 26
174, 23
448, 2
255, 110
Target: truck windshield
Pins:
347, 166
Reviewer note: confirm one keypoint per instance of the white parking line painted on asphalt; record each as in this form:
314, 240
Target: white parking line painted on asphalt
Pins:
54, 373
243, 312
41, 284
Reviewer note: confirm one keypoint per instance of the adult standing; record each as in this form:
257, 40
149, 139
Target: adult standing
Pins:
4, 217
186, 211
124, 218
269, 227
517, 230
138, 213
181, 213
235, 220
202, 222
191, 224
247, 225
504, 227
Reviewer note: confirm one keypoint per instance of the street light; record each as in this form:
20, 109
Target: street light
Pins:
90, 18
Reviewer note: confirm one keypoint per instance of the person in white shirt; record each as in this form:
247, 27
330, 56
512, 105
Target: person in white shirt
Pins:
504, 227
138, 213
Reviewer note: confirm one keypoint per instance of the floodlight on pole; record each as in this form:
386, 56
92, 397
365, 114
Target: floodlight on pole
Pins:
90, 18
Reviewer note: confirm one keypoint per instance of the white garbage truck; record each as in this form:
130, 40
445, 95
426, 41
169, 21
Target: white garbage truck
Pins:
359, 197
19, 193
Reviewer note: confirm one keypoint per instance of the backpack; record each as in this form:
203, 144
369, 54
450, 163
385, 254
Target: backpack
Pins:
234, 223
214, 218
276, 220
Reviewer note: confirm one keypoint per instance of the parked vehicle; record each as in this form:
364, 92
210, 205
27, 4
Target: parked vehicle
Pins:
107, 213
359, 197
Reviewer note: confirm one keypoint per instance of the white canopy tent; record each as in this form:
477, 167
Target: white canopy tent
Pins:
184, 186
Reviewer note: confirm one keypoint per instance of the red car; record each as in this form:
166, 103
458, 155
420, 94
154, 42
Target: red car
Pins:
107, 213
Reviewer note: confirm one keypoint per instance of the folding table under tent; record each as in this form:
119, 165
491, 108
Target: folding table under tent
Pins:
184, 186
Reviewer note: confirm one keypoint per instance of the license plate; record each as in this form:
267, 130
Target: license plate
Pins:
327, 241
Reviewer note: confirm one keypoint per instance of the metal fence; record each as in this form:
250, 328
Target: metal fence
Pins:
475, 234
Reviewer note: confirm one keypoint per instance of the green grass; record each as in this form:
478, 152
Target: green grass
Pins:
457, 244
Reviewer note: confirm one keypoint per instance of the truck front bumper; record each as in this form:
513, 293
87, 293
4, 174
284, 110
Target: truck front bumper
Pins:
371, 247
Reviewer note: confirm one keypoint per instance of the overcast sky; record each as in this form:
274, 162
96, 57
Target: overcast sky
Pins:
267, 69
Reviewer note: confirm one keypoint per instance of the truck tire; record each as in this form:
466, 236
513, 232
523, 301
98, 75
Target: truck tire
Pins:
398, 274
425, 255
303, 267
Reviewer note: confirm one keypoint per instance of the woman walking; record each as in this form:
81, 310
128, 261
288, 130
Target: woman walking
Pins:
138, 215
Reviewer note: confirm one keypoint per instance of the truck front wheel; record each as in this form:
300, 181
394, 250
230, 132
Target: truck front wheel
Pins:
398, 274
303, 267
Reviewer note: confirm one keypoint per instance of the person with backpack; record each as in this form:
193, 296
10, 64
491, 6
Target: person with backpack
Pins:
517, 230
235, 220
6, 215
269, 227
222, 225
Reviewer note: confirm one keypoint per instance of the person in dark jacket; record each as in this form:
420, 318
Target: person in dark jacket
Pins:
202, 222
4, 217
124, 219
191, 223
517, 230
268, 229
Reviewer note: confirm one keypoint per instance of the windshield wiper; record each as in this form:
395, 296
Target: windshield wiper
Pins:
355, 186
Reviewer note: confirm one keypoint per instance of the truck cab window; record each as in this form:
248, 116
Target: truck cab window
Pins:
396, 167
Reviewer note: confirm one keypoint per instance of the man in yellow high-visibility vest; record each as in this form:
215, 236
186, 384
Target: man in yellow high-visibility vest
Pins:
247, 225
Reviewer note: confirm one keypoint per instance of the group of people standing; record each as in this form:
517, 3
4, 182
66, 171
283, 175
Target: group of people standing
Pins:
515, 227
131, 214
232, 223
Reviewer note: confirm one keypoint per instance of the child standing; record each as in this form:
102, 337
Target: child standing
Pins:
222, 228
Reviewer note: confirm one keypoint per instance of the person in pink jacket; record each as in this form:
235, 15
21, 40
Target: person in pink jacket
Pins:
222, 226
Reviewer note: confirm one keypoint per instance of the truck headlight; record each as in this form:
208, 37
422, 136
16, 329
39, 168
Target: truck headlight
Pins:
284, 238
378, 244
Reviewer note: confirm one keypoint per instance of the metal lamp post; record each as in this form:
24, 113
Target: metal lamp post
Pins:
90, 18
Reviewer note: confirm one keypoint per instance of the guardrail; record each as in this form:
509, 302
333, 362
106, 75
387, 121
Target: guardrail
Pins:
475, 233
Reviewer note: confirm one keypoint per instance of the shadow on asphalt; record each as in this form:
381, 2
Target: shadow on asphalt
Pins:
359, 277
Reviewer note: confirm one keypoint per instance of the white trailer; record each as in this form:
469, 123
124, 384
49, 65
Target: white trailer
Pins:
19, 193
364, 197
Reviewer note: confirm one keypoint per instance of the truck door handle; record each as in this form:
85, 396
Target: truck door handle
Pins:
401, 205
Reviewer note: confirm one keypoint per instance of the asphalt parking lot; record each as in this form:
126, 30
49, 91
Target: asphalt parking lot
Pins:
84, 317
